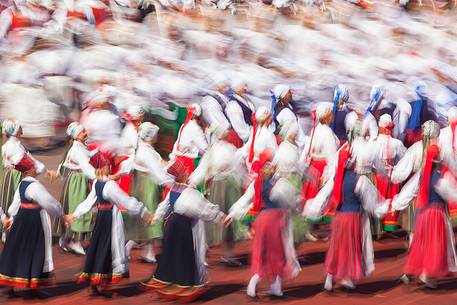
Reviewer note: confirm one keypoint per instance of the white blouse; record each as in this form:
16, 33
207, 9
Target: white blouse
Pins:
114, 194
78, 158
191, 203
149, 161
38, 193
236, 118
13, 151
192, 142
388, 152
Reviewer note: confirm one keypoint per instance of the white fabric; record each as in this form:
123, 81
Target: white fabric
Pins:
13, 151
129, 139
370, 126
286, 116
148, 160
212, 112
236, 118
401, 116
286, 160
324, 144
409, 164
447, 152
264, 140
192, 142
388, 151
385, 120
78, 159
102, 126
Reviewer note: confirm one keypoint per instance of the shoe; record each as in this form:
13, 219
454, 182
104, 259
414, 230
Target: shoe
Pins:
128, 247
404, 279
63, 244
311, 237
77, 248
231, 262
427, 282
275, 288
348, 284
328, 283
251, 290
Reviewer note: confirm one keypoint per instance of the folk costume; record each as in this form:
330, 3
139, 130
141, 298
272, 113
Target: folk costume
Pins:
181, 272
26, 260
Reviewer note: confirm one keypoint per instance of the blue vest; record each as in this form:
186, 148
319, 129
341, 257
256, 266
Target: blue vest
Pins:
351, 202
99, 186
266, 190
433, 196
339, 129
22, 188
247, 112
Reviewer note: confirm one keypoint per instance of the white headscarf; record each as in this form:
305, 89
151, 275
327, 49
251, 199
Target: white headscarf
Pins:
147, 131
74, 129
11, 127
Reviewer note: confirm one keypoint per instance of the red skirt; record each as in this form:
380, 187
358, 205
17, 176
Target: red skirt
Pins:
344, 258
312, 184
388, 190
428, 253
268, 251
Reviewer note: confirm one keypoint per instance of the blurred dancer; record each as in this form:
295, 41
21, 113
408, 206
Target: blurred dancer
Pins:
148, 177
222, 168
273, 254
388, 152
370, 125
350, 255
106, 261
431, 188
340, 99
318, 155
239, 110
191, 142
181, 272
76, 189
26, 260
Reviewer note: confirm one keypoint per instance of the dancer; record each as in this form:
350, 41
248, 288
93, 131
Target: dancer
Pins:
350, 254
76, 189
148, 177
239, 110
340, 99
222, 168
388, 152
273, 253
106, 261
181, 271
370, 127
26, 260
431, 188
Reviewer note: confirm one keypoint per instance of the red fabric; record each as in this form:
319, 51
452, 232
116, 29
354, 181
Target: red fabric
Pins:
428, 253
257, 166
254, 131
268, 253
453, 125
25, 164
335, 200
234, 139
388, 190
344, 258
100, 15
75, 14
190, 114
182, 167
412, 136
100, 158
19, 21
430, 153
312, 184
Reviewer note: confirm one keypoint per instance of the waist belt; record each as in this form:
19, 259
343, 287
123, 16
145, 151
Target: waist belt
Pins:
105, 206
33, 206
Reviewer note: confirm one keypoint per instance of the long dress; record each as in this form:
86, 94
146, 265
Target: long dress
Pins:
30, 237
181, 272
106, 260
273, 252
433, 230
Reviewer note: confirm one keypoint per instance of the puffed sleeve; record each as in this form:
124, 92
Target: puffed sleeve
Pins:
285, 193
192, 204
38, 193
409, 164
235, 116
5, 22
242, 205
2, 214
198, 138
15, 204
407, 194
446, 187
39, 166
202, 170
116, 195
314, 207
372, 201
87, 204
84, 163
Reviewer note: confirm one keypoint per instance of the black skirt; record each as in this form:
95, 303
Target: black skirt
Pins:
98, 267
22, 260
176, 264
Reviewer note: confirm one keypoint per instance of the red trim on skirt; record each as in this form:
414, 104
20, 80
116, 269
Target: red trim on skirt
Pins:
344, 258
428, 253
388, 190
312, 184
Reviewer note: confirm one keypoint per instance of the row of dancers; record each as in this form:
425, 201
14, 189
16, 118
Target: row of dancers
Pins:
350, 170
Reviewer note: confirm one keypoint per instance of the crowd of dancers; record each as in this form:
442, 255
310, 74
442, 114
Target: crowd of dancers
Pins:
251, 156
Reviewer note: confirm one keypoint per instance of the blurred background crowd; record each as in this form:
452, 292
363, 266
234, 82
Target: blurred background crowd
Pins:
58, 55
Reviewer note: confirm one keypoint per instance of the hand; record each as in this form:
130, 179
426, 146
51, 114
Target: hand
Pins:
68, 219
115, 177
227, 221
148, 218
51, 174
7, 223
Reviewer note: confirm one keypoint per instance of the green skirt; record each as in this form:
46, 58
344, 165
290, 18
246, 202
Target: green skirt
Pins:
225, 193
76, 189
10, 182
146, 191
299, 224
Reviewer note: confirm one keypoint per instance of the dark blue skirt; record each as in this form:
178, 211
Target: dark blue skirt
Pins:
22, 260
